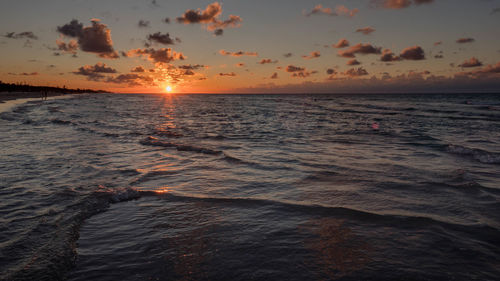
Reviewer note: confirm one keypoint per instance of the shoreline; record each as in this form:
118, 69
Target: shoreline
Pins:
7, 96
13, 99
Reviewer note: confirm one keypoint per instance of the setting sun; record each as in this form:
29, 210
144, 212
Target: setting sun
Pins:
168, 89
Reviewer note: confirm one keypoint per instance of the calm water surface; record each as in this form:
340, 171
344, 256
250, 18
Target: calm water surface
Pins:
251, 187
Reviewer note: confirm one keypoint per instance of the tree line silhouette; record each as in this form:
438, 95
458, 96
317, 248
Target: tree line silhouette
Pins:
22, 87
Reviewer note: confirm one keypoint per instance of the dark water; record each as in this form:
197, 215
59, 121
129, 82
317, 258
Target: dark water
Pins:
259, 187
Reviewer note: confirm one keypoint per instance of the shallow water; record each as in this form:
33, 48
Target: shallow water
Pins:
251, 187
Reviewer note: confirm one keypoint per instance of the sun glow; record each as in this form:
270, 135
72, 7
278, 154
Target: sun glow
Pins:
168, 89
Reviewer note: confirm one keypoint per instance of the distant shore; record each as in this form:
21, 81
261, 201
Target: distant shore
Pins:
13, 91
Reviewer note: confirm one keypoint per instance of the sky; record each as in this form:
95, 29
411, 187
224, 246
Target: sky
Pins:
241, 46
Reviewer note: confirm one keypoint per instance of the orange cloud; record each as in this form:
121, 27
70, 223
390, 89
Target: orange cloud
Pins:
313, 55
341, 44
69, 47
318, 10
342, 10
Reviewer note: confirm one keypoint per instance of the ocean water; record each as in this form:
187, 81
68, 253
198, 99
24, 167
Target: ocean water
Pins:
251, 187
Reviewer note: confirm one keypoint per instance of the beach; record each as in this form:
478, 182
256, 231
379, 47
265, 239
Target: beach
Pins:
8, 100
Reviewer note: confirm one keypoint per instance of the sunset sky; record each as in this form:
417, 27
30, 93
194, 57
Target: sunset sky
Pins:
242, 46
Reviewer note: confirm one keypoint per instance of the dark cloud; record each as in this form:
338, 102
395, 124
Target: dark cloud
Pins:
397, 4
495, 10
21, 35
330, 71
292, 68
231, 74
138, 69
360, 48
210, 17
274, 76
438, 56
438, 43
299, 72
353, 62
365, 30
465, 40
163, 55
237, 54
355, 72
473, 62
240, 64
191, 67
413, 53
418, 2
71, 29
312, 55
288, 55
94, 72
166, 20
93, 39
341, 44
160, 38
303, 74
388, 55
131, 79
144, 24
266, 61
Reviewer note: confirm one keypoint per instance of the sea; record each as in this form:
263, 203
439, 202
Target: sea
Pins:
251, 187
